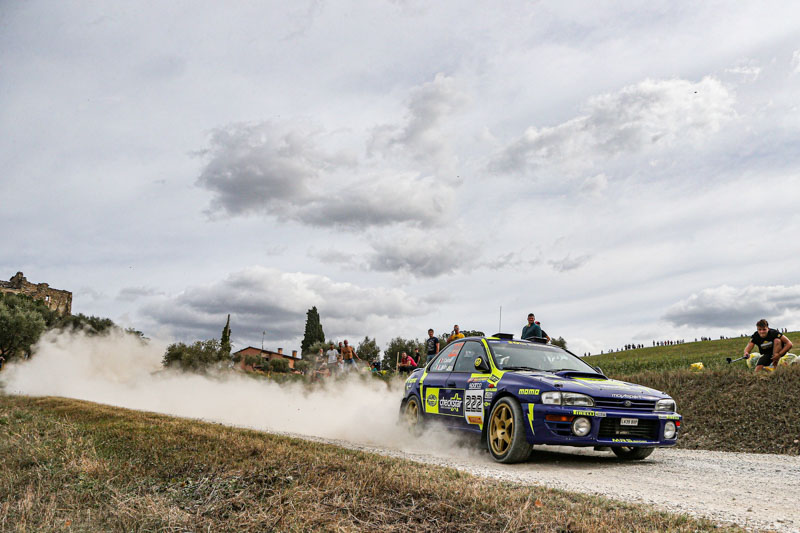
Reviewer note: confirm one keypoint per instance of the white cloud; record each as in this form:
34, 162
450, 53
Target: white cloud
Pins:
648, 115
735, 307
423, 135
796, 62
568, 262
595, 186
747, 70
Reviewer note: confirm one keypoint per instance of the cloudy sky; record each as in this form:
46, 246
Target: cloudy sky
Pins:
627, 171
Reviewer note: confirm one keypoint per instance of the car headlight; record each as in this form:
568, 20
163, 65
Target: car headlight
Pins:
567, 398
581, 426
666, 405
669, 430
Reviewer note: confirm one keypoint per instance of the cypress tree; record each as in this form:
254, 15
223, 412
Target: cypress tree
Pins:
313, 331
225, 342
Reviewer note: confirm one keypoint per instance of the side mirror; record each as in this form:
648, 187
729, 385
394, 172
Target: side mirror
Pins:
600, 370
480, 364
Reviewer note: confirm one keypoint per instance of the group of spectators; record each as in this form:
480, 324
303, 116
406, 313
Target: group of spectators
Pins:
337, 360
342, 359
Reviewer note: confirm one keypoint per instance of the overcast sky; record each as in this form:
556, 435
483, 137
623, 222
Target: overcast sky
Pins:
626, 171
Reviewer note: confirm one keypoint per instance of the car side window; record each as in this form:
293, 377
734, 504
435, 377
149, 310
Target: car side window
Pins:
466, 359
447, 359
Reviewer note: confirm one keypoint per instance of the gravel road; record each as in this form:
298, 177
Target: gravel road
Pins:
756, 491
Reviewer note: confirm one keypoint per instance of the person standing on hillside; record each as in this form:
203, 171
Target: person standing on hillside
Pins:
333, 359
431, 345
772, 345
349, 356
455, 335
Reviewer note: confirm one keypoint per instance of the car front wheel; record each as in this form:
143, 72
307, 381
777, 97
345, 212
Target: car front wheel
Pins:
506, 432
412, 415
630, 453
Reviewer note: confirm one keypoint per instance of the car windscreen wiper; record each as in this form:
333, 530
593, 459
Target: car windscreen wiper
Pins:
573, 370
521, 368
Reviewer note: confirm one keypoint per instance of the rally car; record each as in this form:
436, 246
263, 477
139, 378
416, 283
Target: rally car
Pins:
517, 393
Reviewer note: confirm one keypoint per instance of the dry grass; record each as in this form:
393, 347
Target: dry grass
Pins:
67, 465
728, 409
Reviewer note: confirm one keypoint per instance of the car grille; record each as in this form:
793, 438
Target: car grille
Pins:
619, 404
611, 428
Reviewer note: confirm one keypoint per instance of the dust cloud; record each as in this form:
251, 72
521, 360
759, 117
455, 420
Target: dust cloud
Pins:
120, 370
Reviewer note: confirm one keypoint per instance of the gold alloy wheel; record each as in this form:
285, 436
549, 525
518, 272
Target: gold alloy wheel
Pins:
501, 429
412, 413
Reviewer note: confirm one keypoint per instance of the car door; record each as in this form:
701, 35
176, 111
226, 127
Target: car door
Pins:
469, 384
440, 398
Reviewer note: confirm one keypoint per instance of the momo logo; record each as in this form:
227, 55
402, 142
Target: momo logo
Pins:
431, 400
529, 392
449, 403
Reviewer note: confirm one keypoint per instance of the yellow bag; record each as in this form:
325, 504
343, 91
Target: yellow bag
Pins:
697, 367
788, 359
754, 357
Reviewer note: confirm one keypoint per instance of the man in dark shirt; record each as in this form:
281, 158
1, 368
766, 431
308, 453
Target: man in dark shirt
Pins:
772, 345
533, 331
431, 345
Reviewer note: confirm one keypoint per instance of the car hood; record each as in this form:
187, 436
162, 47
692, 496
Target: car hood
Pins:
586, 383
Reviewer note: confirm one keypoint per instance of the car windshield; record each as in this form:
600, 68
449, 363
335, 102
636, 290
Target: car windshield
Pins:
511, 355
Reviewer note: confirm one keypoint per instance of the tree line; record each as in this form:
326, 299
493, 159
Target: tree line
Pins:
23, 321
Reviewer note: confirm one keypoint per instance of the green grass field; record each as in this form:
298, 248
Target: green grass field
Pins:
67, 465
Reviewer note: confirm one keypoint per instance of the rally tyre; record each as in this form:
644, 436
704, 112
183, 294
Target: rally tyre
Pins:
629, 453
505, 434
412, 415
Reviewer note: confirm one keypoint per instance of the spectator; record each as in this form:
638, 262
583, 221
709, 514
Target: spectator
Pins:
532, 330
349, 357
772, 345
2, 360
431, 345
333, 358
416, 356
407, 364
455, 335
321, 368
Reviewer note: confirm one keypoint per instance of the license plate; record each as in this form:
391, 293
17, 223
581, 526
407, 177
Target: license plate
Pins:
628, 421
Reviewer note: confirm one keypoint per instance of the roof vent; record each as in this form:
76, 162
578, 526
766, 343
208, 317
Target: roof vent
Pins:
505, 336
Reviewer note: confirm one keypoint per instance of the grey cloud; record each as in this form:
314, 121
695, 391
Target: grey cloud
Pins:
422, 256
569, 263
382, 202
130, 294
727, 306
275, 170
260, 168
509, 260
263, 299
649, 114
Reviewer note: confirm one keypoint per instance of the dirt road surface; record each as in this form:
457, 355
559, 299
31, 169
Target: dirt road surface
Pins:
757, 491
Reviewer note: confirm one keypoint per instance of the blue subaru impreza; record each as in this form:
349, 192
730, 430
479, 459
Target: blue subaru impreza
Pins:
515, 394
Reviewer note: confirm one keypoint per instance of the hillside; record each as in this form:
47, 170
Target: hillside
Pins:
726, 407
711, 353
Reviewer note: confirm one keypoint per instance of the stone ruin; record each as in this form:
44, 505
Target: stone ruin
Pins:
55, 299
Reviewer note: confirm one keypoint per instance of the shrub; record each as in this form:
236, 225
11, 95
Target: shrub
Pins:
198, 357
279, 365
